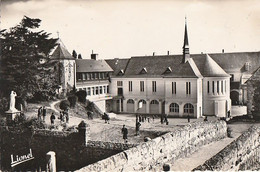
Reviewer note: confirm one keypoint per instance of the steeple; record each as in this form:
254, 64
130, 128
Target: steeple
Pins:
186, 49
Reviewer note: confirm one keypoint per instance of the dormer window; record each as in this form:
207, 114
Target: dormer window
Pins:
143, 71
247, 66
168, 70
121, 72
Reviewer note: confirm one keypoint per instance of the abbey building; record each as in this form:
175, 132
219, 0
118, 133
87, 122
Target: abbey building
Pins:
177, 85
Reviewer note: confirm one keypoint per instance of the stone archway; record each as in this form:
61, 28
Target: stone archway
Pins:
234, 96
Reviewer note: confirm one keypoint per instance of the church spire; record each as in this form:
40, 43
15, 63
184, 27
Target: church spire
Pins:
186, 49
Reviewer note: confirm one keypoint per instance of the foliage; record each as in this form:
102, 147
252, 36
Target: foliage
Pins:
79, 56
74, 54
3, 105
73, 100
82, 94
64, 105
24, 65
256, 95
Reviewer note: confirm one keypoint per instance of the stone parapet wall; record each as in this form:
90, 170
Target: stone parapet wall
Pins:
172, 145
242, 154
109, 145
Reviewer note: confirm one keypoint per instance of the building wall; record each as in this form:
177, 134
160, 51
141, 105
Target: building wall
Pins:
216, 100
162, 95
68, 76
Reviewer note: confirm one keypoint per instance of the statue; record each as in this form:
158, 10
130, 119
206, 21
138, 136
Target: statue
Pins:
12, 101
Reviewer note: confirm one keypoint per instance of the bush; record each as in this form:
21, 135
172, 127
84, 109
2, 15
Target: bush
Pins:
3, 104
64, 105
73, 100
82, 94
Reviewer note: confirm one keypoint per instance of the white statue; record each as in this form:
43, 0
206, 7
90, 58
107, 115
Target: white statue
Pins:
12, 101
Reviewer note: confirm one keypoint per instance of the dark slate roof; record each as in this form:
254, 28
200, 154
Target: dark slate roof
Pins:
208, 67
117, 64
156, 67
61, 52
231, 62
90, 65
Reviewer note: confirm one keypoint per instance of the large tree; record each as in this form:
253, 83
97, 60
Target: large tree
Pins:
25, 65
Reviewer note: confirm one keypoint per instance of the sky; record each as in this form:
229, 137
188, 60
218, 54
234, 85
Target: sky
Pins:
126, 28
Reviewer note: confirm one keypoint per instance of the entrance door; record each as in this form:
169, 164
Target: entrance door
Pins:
119, 91
234, 96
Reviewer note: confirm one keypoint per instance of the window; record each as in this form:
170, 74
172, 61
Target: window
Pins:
153, 102
83, 76
130, 86
120, 83
88, 91
79, 76
188, 108
208, 86
154, 86
174, 107
100, 75
100, 90
225, 86
213, 87
218, 87
130, 101
173, 87
96, 90
232, 77
222, 87
104, 88
107, 89
96, 75
87, 75
142, 86
93, 90
188, 88
93, 76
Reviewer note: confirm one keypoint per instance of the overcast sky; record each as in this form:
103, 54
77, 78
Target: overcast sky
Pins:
120, 29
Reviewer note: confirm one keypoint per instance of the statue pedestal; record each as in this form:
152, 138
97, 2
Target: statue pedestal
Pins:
11, 114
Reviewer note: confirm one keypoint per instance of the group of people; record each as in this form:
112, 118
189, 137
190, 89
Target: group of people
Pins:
64, 116
42, 112
144, 118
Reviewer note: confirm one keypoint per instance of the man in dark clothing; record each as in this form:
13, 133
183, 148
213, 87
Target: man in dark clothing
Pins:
106, 117
137, 127
52, 118
161, 119
43, 113
40, 113
206, 118
188, 117
125, 132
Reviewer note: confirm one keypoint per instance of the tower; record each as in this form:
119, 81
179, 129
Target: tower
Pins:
186, 49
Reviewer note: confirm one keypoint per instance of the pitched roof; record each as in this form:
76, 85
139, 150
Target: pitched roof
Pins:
209, 68
117, 64
90, 65
156, 67
61, 52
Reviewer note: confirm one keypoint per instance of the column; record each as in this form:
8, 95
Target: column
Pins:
160, 106
148, 106
135, 105
120, 105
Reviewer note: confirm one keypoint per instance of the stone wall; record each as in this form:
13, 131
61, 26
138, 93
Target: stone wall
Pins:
242, 154
173, 145
73, 149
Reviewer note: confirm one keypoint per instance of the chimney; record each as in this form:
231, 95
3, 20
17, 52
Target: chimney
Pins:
94, 56
168, 52
153, 53
223, 51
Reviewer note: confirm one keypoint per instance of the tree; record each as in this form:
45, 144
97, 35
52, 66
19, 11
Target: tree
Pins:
74, 54
82, 94
79, 56
64, 105
25, 66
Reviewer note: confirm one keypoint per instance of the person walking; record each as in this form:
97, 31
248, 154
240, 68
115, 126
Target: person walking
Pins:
124, 132
40, 113
206, 118
188, 117
52, 118
137, 128
61, 117
43, 113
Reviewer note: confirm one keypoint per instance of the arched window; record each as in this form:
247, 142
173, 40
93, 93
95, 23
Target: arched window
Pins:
174, 107
188, 108
143, 101
154, 102
130, 101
